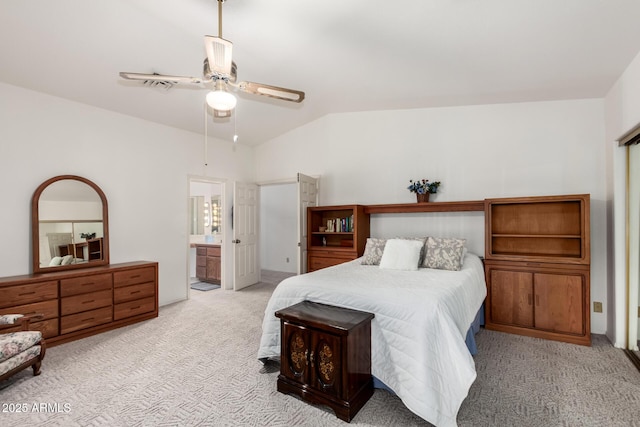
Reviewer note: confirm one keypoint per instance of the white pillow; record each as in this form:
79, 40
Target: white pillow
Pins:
56, 260
401, 254
66, 260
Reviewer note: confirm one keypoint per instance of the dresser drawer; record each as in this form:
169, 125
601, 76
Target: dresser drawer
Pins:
213, 251
49, 328
128, 293
317, 263
330, 253
85, 302
81, 285
24, 294
133, 277
48, 309
75, 322
201, 251
133, 308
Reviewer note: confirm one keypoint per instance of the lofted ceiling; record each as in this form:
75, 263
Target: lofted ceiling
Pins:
347, 55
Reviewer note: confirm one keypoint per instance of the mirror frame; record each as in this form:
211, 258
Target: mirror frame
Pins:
35, 227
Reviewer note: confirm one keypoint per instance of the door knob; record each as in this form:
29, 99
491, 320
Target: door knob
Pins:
235, 241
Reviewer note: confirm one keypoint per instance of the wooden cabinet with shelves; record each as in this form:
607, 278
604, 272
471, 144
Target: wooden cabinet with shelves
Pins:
537, 262
208, 263
326, 356
90, 250
345, 242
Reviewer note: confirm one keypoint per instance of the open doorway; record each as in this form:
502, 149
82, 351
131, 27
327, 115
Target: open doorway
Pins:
278, 232
283, 230
206, 236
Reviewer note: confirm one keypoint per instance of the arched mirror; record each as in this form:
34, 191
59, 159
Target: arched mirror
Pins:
69, 225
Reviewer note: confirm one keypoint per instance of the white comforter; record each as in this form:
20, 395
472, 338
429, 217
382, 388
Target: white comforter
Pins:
418, 333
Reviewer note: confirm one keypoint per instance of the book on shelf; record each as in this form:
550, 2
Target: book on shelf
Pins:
340, 225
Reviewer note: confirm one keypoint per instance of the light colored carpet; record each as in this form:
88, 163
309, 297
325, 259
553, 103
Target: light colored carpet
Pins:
196, 365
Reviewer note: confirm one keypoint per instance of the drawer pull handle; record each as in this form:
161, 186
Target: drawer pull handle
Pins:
88, 319
135, 308
26, 293
88, 301
135, 276
88, 283
135, 292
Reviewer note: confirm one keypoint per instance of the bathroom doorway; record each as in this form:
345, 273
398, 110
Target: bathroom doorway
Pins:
206, 234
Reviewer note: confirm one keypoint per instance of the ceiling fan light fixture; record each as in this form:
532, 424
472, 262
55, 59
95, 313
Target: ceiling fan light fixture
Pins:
222, 100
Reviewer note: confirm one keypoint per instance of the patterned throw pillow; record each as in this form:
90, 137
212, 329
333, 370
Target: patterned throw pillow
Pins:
444, 253
373, 251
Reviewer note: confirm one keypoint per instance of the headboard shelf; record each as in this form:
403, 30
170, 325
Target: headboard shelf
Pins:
464, 206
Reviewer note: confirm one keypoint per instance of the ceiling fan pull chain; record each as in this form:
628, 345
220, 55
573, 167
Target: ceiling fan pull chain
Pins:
206, 138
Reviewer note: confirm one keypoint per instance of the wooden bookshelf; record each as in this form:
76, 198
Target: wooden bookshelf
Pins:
537, 267
327, 248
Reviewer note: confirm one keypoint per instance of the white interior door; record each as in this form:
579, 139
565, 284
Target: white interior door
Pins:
245, 235
307, 196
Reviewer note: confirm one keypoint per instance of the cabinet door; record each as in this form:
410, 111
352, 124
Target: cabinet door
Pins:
217, 270
325, 359
511, 297
213, 268
295, 353
559, 302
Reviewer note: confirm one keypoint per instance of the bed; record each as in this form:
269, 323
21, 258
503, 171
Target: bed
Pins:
422, 319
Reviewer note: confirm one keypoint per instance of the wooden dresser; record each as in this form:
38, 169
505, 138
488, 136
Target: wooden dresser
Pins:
537, 267
326, 356
208, 263
79, 303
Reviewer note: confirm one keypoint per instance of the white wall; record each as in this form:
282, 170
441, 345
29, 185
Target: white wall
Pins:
622, 113
142, 167
503, 150
278, 227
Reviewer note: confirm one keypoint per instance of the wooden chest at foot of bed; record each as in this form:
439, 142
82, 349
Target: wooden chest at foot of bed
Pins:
326, 356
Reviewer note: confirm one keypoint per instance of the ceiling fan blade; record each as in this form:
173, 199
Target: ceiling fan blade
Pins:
219, 55
271, 91
160, 78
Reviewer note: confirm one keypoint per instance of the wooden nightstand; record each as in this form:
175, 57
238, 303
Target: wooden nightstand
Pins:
326, 356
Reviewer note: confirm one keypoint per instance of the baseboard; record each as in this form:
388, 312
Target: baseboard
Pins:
633, 357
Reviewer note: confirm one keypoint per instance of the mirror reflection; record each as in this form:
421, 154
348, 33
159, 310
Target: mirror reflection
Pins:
205, 215
70, 224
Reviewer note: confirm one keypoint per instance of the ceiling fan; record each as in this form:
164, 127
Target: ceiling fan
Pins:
220, 74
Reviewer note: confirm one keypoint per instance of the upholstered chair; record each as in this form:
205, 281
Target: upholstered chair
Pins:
19, 347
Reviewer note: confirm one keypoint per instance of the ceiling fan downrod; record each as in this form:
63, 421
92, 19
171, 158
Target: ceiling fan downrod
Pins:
220, 18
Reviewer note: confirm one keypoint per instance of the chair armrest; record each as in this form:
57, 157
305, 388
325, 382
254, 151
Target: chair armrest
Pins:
12, 320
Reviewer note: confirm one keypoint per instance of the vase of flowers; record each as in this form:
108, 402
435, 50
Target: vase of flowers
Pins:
423, 188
